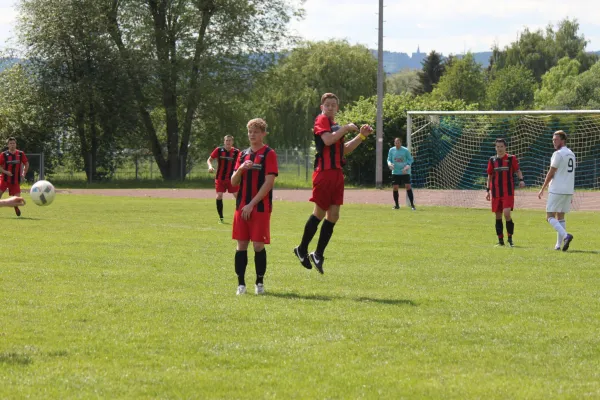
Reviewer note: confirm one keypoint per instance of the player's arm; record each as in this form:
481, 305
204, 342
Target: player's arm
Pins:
330, 138
209, 164
25, 169
390, 159
264, 189
487, 186
549, 177
365, 131
409, 161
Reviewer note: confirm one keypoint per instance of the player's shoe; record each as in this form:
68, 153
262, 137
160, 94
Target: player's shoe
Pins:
241, 290
221, 220
318, 260
556, 247
500, 243
259, 289
17, 211
304, 260
413, 208
510, 242
567, 242
396, 208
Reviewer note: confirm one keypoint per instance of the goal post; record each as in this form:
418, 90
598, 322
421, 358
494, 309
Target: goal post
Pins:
451, 150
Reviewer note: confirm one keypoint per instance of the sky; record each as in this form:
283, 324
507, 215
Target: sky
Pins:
446, 26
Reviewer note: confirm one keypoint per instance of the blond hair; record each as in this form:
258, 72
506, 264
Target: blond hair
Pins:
329, 96
561, 134
227, 137
258, 123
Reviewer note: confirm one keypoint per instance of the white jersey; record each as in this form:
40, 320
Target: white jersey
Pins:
563, 181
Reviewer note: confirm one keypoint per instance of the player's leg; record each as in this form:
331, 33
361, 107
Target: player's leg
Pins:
566, 240
555, 212
395, 194
497, 210
241, 233
310, 230
15, 191
332, 216
241, 262
220, 206
410, 194
260, 235
510, 226
260, 265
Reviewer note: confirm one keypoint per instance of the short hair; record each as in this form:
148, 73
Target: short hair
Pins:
399, 138
228, 137
258, 123
329, 96
10, 138
562, 134
501, 140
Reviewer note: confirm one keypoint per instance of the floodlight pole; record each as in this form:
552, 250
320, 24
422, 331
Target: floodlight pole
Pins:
379, 122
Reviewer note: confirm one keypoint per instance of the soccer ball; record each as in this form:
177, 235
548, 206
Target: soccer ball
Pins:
42, 193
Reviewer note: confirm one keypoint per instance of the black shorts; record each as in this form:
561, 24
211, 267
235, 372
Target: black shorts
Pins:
400, 179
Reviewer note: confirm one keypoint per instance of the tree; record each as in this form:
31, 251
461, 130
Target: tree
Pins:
558, 78
573, 92
463, 80
540, 50
289, 94
406, 81
511, 88
430, 74
70, 57
184, 56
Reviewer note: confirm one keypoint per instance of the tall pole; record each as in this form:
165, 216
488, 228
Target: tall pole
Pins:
379, 122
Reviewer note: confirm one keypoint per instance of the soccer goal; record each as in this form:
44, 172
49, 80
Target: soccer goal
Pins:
451, 151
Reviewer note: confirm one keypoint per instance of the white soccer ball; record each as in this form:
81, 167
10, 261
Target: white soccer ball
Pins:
42, 193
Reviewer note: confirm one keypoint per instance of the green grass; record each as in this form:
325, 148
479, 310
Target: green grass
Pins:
135, 298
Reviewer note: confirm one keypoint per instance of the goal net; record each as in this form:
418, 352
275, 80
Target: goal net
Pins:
452, 149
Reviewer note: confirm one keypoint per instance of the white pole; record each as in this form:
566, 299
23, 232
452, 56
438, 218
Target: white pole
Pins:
379, 122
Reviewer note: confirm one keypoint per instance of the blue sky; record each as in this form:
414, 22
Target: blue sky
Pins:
442, 25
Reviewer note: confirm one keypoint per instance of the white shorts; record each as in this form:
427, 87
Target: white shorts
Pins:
559, 203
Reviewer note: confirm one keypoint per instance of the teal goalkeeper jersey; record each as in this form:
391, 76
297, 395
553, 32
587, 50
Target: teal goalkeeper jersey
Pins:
400, 158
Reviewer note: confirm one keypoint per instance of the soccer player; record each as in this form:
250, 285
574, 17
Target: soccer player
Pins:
255, 172
328, 178
13, 167
500, 181
561, 178
399, 160
226, 156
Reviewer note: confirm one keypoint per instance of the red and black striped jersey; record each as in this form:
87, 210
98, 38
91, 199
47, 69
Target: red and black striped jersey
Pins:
265, 163
328, 157
13, 162
226, 161
502, 171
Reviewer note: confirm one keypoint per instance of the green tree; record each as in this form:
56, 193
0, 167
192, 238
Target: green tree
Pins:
512, 88
540, 50
406, 81
463, 80
577, 92
558, 78
186, 56
430, 74
289, 94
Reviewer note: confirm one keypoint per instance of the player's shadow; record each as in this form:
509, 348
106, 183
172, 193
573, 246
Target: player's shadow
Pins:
22, 218
393, 302
296, 296
584, 251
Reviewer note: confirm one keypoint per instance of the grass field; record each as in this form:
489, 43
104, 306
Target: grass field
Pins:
107, 297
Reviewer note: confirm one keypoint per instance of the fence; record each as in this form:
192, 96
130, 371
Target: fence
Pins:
295, 169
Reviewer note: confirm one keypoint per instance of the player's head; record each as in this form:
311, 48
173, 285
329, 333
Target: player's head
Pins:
398, 142
11, 143
257, 129
228, 141
500, 146
559, 139
330, 104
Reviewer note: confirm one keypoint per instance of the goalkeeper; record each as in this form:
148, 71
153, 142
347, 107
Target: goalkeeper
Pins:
399, 160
